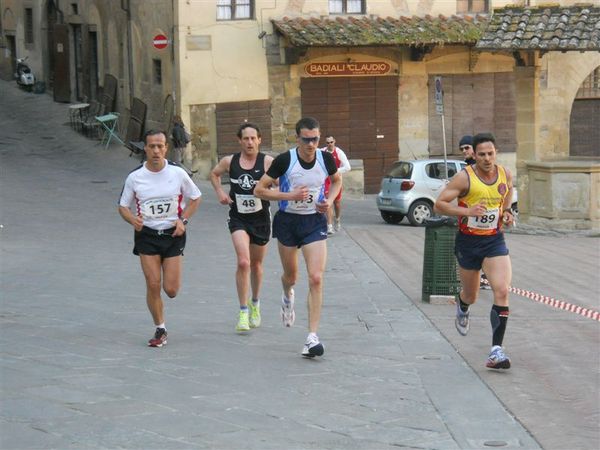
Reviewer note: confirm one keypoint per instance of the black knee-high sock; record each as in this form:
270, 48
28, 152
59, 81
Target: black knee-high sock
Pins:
498, 319
464, 307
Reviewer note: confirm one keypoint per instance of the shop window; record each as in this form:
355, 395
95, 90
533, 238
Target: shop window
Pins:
28, 25
590, 88
472, 6
235, 9
157, 71
347, 6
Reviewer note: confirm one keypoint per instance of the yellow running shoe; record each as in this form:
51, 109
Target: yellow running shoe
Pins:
243, 324
254, 314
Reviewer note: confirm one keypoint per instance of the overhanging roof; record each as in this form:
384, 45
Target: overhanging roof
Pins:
378, 31
574, 28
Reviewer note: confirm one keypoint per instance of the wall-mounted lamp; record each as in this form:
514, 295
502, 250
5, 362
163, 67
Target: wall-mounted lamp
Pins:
262, 34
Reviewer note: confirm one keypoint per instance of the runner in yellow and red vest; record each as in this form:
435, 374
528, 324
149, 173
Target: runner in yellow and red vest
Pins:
484, 194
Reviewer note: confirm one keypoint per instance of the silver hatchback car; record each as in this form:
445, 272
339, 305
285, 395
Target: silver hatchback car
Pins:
411, 188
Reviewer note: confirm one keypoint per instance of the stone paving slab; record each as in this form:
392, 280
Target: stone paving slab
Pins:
76, 372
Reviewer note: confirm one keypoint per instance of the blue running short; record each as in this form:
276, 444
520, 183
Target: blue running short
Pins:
296, 230
471, 250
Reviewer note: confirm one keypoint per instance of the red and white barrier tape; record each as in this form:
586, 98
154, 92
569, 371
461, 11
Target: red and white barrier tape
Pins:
560, 304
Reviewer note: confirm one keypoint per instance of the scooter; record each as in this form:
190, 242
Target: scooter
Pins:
23, 75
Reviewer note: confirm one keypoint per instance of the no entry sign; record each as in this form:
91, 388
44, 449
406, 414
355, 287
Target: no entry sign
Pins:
160, 41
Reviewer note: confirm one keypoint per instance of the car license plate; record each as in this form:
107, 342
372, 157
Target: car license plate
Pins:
386, 201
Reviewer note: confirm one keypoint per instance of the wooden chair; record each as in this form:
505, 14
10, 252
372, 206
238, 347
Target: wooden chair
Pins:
135, 127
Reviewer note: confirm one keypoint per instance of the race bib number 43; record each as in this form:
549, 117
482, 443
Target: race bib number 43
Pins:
159, 208
306, 205
488, 221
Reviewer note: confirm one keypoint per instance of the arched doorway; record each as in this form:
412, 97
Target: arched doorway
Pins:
585, 118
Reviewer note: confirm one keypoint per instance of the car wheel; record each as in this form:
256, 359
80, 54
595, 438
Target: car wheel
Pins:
391, 217
419, 212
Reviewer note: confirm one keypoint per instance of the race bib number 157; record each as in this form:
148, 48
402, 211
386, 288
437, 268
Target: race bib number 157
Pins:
159, 208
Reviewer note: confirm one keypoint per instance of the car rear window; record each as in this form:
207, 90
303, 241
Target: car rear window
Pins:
401, 169
436, 170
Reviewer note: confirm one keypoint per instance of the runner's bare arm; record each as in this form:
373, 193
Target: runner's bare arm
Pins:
334, 190
507, 215
263, 191
188, 212
215, 179
268, 162
457, 186
136, 221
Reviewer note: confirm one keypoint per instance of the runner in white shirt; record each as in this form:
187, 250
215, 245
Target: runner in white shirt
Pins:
158, 191
300, 222
343, 165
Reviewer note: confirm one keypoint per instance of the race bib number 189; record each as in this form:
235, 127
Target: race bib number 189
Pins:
487, 221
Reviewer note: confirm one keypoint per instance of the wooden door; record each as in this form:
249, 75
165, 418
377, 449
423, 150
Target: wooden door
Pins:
362, 114
474, 104
232, 114
62, 79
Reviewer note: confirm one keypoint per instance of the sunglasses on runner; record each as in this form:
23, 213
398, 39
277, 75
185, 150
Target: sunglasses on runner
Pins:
308, 140
465, 147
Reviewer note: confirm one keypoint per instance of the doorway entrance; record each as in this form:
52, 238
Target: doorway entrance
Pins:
362, 114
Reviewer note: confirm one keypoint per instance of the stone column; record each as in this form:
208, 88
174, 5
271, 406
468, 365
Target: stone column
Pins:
527, 97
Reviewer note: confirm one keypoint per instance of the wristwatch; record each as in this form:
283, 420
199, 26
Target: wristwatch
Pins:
184, 221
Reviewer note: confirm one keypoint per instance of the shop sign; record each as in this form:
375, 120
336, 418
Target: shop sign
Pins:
348, 69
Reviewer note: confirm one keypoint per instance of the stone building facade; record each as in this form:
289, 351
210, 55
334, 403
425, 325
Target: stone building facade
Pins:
366, 69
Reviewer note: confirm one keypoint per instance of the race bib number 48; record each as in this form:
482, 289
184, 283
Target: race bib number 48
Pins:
247, 204
488, 221
159, 208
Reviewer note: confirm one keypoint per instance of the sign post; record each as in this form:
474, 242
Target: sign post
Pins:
160, 41
439, 109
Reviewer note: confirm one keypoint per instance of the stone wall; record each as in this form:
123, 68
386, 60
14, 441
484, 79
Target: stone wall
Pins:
564, 195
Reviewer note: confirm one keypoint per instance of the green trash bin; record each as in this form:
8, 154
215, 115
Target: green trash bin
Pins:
440, 271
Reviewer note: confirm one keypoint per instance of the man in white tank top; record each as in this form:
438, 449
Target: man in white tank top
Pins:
301, 222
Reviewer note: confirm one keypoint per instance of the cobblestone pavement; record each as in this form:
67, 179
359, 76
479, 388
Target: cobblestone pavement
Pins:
75, 370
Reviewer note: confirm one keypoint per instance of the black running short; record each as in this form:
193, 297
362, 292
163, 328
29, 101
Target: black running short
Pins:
158, 242
259, 231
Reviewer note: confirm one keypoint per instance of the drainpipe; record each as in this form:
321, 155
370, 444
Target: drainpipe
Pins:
174, 70
127, 8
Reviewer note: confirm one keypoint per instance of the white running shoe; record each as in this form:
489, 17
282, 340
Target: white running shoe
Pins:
288, 316
337, 225
497, 359
462, 320
330, 229
312, 347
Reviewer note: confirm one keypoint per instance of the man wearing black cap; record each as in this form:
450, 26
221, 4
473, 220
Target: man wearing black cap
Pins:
466, 147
